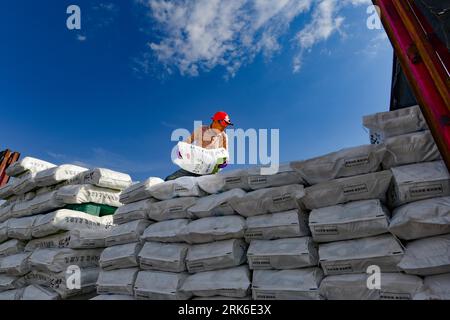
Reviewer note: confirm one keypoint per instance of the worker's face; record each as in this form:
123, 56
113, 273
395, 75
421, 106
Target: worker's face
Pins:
220, 124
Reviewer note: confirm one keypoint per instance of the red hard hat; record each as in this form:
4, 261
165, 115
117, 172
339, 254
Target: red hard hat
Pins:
222, 116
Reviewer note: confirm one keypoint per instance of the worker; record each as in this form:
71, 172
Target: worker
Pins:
208, 137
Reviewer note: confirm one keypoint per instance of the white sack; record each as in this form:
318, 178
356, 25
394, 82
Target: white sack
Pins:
139, 191
11, 247
214, 229
419, 181
301, 284
104, 178
120, 281
429, 256
6, 211
21, 209
58, 281
27, 164
171, 209
216, 255
393, 286
421, 219
10, 283
394, 123
435, 287
344, 163
15, 265
120, 257
165, 231
119, 297
11, 295
216, 204
288, 224
410, 148
67, 220
364, 187
292, 253
355, 256
25, 183
57, 260
45, 202
270, 200
158, 285
21, 228
132, 211
36, 292
232, 282
352, 220
126, 233
181, 187
168, 257
74, 239
7, 190
56, 175
3, 231
286, 175
79, 194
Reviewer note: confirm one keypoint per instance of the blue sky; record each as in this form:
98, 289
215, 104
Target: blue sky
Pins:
110, 94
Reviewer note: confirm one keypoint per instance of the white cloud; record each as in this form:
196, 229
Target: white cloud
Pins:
199, 35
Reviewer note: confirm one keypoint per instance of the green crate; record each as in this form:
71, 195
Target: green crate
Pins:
94, 209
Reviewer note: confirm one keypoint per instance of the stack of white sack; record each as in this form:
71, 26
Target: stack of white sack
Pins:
53, 229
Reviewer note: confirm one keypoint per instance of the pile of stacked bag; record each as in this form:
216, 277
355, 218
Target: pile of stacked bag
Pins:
53, 225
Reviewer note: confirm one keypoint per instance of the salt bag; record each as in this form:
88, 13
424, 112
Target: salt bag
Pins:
120, 257
216, 255
393, 286
66, 220
364, 187
165, 231
10, 283
36, 292
139, 191
232, 282
421, 219
171, 209
3, 232
258, 178
394, 123
168, 257
410, 148
21, 228
270, 200
74, 239
300, 284
159, 285
214, 229
419, 181
11, 295
56, 175
57, 260
288, 224
181, 187
45, 202
216, 205
344, 163
435, 287
11, 247
120, 281
429, 256
15, 265
7, 190
355, 256
25, 183
118, 297
352, 220
126, 233
132, 211
27, 164
58, 281
78, 194
104, 178
292, 253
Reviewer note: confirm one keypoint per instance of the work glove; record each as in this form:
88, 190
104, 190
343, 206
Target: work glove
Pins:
223, 165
